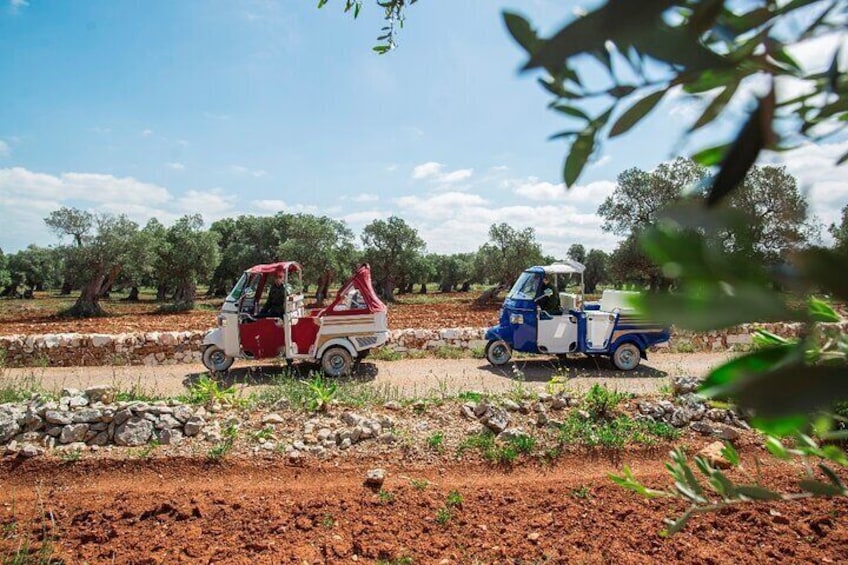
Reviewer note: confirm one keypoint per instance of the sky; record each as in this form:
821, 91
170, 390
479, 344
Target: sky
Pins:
228, 107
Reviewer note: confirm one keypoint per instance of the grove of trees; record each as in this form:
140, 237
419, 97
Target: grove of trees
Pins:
101, 252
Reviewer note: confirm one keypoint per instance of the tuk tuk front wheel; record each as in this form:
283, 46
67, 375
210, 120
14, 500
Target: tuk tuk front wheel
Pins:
626, 356
216, 360
336, 362
498, 352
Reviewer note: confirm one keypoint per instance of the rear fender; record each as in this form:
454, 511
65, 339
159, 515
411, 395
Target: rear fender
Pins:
343, 342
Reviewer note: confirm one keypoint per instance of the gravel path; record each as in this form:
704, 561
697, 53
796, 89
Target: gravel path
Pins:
411, 377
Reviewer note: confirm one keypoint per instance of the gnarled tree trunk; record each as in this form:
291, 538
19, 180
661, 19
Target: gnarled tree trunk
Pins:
88, 305
490, 294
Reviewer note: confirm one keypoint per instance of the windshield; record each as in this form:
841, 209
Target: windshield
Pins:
237, 291
525, 287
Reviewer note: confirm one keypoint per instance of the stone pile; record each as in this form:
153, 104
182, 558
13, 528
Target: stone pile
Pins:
688, 408
322, 433
74, 349
403, 341
497, 417
92, 419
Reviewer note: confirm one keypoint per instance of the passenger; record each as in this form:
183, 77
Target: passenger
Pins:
275, 305
548, 298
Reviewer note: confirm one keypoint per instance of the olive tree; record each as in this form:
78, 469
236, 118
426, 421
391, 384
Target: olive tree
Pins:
392, 247
97, 256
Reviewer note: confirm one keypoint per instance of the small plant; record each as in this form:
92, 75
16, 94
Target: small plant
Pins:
70, 454
265, 433
443, 516
327, 521
454, 499
470, 396
386, 496
144, 452
582, 492
556, 385
435, 441
478, 352
684, 347
321, 392
419, 484
601, 402
524, 444
206, 391
15, 389
220, 450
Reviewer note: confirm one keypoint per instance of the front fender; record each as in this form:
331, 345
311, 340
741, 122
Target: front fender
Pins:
498, 332
214, 337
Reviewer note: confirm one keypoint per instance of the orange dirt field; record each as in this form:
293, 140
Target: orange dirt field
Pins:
255, 511
38, 316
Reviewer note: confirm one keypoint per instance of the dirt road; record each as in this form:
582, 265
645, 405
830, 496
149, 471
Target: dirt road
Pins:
410, 377
255, 512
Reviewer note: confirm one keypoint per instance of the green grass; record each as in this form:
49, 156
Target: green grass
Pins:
614, 433
436, 441
499, 453
347, 393
386, 354
449, 352
19, 389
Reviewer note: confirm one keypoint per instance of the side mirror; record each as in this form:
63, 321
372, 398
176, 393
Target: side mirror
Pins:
548, 292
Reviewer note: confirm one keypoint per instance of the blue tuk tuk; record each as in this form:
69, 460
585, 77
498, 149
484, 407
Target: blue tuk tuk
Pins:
610, 327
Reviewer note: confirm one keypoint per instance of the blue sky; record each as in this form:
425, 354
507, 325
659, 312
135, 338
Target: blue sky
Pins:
227, 107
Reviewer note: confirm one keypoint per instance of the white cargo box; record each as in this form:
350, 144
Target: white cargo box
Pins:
612, 299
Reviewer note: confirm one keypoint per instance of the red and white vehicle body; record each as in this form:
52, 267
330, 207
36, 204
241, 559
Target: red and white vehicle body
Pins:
336, 336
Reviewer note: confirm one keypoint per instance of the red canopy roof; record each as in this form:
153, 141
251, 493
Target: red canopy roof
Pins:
274, 267
361, 279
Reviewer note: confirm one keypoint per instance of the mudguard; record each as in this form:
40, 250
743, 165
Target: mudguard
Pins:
214, 337
344, 342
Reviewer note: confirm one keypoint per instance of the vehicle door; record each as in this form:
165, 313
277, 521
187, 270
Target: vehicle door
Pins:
260, 338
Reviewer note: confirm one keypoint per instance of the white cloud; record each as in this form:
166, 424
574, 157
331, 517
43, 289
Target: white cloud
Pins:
16, 6
590, 195
5, 150
426, 170
272, 206
460, 221
26, 197
241, 170
433, 172
146, 133
176, 166
456, 176
213, 204
360, 219
365, 198
825, 184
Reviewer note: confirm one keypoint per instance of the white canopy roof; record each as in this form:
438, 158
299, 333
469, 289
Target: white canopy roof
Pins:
565, 267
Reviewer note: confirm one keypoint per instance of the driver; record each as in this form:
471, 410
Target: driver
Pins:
275, 305
549, 301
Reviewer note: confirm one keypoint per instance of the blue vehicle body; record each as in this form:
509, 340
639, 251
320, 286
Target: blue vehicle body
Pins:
609, 327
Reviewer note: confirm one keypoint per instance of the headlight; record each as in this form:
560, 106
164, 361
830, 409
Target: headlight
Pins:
516, 319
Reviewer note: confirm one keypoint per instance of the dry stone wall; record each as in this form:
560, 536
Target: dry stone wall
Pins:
169, 348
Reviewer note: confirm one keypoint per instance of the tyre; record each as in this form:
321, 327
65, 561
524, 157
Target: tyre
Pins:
216, 360
336, 362
626, 356
498, 352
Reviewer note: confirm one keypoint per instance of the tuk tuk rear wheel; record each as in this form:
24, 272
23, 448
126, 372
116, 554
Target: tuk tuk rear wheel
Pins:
626, 356
337, 362
216, 360
498, 352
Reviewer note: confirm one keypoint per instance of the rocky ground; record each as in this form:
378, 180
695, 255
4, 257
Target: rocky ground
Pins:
509, 478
